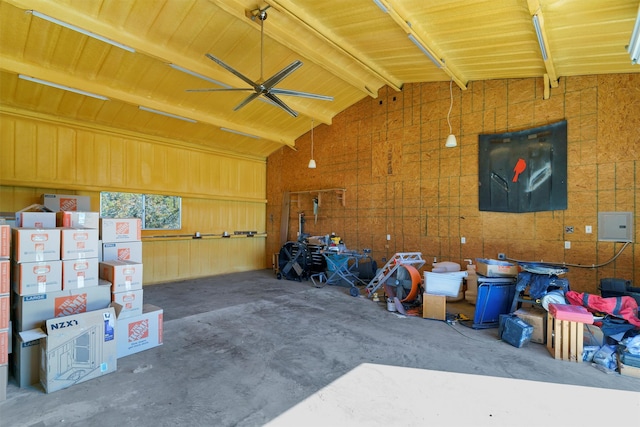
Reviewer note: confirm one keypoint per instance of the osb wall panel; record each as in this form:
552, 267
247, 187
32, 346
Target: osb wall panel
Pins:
402, 182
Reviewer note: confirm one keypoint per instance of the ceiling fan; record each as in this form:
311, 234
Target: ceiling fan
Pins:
266, 88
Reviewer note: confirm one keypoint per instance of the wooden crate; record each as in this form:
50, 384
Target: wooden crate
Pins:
565, 339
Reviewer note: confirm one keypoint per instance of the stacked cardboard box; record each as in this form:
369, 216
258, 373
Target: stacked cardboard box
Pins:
138, 326
5, 325
54, 274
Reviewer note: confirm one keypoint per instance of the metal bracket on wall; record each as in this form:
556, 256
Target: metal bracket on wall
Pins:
340, 194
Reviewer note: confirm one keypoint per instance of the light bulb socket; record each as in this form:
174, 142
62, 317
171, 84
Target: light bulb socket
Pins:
451, 141
312, 164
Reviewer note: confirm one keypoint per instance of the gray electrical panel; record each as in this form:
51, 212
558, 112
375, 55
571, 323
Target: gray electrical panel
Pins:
615, 226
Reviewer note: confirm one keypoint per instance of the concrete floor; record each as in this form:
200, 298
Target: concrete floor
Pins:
241, 349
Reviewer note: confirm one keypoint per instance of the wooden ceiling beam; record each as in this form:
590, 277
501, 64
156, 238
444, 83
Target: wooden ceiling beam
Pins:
326, 51
405, 23
62, 78
147, 47
537, 16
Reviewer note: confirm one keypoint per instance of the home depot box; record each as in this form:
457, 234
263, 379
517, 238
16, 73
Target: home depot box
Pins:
123, 275
25, 361
126, 251
36, 219
5, 276
138, 333
31, 278
5, 241
78, 348
4, 346
31, 245
131, 302
120, 230
78, 243
32, 310
80, 273
64, 202
537, 318
70, 219
495, 268
5, 311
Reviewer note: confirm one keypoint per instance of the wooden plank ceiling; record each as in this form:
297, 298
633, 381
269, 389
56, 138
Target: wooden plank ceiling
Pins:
349, 49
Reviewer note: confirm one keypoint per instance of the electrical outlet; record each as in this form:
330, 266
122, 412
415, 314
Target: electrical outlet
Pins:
502, 256
567, 245
588, 229
388, 236
463, 240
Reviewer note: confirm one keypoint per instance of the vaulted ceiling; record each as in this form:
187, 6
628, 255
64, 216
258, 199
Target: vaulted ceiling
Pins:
349, 50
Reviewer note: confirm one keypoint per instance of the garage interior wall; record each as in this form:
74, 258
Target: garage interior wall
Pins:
401, 181
220, 192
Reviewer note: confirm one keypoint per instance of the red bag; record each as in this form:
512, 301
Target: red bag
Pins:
624, 307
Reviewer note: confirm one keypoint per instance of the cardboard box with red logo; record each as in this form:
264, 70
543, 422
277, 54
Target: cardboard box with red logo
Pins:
126, 251
4, 347
5, 276
40, 220
64, 202
5, 241
120, 230
130, 302
80, 273
138, 333
33, 245
5, 311
123, 275
31, 278
71, 219
78, 243
31, 311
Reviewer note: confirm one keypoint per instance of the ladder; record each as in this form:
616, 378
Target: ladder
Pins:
410, 258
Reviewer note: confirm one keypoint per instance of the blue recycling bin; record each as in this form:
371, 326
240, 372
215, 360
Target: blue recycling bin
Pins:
495, 295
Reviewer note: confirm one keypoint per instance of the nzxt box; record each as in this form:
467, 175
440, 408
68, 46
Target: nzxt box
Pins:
78, 348
138, 333
31, 311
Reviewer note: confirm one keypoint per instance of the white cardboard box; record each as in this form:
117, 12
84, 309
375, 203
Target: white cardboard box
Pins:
142, 332
78, 348
30, 278
126, 251
64, 202
32, 310
78, 243
40, 220
5, 241
33, 245
71, 219
131, 302
25, 361
80, 273
120, 230
123, 275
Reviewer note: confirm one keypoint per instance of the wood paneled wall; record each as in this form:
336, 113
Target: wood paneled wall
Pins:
220, 192
401, 181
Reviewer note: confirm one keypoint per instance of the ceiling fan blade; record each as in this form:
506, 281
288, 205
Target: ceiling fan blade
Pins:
247, 100
301, 94
230, 89
280, 104
231, 70
280, 75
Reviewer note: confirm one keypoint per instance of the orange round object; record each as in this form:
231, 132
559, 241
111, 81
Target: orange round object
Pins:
415, 283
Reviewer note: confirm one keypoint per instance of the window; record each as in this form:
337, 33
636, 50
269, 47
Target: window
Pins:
157, 212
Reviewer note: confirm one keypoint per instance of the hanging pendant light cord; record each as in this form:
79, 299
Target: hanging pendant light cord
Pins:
450, 105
